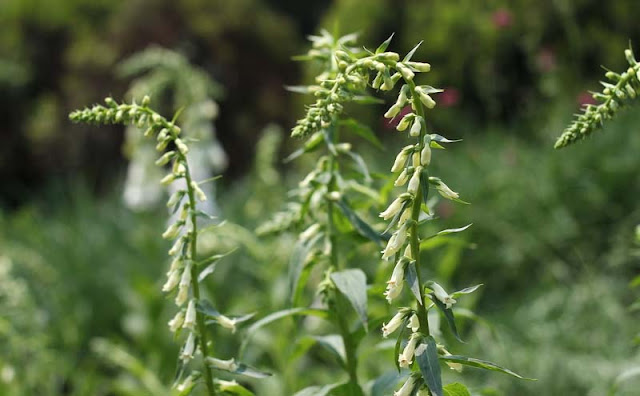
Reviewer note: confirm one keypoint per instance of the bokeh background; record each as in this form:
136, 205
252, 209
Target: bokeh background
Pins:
553, 236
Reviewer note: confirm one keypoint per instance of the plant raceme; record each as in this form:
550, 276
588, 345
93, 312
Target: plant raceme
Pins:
417, 350
622, 89
187, 269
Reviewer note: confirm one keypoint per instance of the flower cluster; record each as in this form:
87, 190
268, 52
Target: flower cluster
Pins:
621, 89
186, 271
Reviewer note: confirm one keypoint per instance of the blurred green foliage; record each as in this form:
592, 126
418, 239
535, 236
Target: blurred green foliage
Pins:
553, 233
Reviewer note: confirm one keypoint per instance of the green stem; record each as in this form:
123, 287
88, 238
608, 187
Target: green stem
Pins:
208, 377
415, 215
351, 359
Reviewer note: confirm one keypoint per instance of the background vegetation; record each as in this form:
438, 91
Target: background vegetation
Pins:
553, 235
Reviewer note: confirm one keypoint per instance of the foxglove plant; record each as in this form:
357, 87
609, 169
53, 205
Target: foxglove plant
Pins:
621, 89
420, 351
322, 200
187, 269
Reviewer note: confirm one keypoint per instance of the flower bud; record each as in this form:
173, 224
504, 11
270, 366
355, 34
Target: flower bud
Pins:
146, 100
416, 128
198, 192
110, 102
393, 324
176, 322
190, 317
407, 74
401, 158
227, 365
402, 178
405, 121
425, 155
173, 278
181, 146
419, 66
393, 111
393, 209
166, 157
414, 183
227, 323
425, 98
189, 348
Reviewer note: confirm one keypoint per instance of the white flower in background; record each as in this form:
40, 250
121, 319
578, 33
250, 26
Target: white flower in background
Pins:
227, 323
406, 357
176, 322
442, 295
190, 318
393, 324
414, 323
407, 387
228, 365
189, 348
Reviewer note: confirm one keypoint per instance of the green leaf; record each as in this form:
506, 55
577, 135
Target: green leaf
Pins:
362, 130
310, 145
301, 89
361, 165
413, 51
483, 364
204, 306
316, 390
233, 387
456, 389
384, 384
320, 313
248, 371
430, 366
383, 47
466, 290
206, 272
300, 252
352, 283
366, 100
448, 314
335, 345
347, 389
441, 139
396, 349
360, 225
411, 276
424, 183
449, 231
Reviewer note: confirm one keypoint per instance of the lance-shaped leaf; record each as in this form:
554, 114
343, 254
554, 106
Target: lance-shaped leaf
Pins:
310, 145
320, 313
237, 368
401, 336
384, 384
360, 225
352, 283
427, 358
448, 314
383, 47
232, 387
409, 55
316, 390
361, 130
466, 290
441, 139
456, 389
296, 264
362, 166
483, 364
335, 345
411, 276
448, 231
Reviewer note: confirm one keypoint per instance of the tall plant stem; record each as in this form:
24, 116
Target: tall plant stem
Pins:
415, 215
351, 359
208, 378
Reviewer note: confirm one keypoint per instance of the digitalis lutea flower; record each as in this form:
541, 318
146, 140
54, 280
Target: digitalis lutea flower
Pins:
406, 357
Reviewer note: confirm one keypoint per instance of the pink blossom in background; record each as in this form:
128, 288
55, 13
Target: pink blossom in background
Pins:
585, 98
502, 18
450, 97
546, 59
